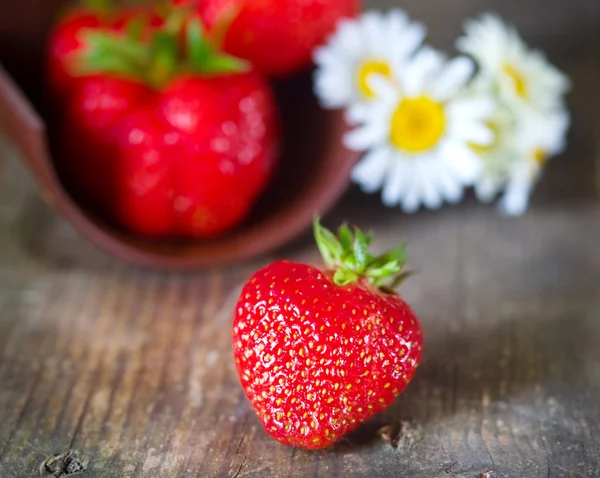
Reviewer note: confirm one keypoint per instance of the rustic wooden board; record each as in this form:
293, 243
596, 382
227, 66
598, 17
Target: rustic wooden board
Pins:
132, 368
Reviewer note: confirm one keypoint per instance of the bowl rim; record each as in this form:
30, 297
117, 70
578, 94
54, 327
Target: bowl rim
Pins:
28, 131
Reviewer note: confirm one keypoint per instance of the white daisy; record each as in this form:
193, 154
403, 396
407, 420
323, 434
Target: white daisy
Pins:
418, 137
360, 48
497, 156
523, 77
539, 137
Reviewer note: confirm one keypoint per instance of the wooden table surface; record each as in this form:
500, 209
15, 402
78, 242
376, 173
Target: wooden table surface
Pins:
133, 368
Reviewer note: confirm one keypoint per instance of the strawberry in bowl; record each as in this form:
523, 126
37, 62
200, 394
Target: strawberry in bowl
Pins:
278, 36
312, 169
67, 38
162, 139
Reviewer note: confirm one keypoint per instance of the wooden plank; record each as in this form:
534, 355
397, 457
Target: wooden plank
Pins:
133, 368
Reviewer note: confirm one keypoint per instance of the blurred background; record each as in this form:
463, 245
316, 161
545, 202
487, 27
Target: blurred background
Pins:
566, 31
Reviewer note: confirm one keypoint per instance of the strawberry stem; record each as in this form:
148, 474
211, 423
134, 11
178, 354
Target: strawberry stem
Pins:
204, 58
158, 60
227, 16
101, 7
165, 58
347, 253
110, 53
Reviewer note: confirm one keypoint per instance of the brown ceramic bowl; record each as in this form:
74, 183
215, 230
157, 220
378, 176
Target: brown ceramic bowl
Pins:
314, 171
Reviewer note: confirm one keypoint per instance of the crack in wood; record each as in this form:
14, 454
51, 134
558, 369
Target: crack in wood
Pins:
22, 411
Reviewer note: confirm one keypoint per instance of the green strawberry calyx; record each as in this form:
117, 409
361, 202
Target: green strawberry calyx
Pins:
204, 54
100, 7
347, 253
157, 57
108, 8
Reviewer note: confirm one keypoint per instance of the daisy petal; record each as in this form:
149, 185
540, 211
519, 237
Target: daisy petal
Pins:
370, 172
461, 161
522, 77
472, 132
327, 56
412, 198
451, 189
364, 137
371, 23
349, 38
454, 76
426, 63
479, 107
396, 20
382, 87
486, 189
413, 33
374, 40
357, 113
399, 179
413, 38
428, 173
372, 112
514, 202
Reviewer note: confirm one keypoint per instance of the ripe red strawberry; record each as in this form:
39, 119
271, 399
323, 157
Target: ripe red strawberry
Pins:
321, 350
64, 40
165, 146
67, 37
278, 36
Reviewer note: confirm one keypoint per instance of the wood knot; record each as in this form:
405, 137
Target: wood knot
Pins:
487, 474
64, 464
401, 434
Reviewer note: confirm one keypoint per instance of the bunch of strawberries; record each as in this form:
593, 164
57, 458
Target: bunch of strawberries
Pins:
165, 117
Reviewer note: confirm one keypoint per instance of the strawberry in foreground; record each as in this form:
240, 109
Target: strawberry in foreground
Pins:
162, 143
278, 36
321, 350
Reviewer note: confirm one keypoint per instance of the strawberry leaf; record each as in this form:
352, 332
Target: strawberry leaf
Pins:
349, 262
224, 64
227, 16
360, 250
113, 43
400, 278
165, 57
348, 255
198, 48
384, 271
345, 236
329, 245
344, 277
102, 7
205, 58
397, 255
135, 27
111, 53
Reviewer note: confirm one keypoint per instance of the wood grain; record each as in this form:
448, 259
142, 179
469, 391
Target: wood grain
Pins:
132, 368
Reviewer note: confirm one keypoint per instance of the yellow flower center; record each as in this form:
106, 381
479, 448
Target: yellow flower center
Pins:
487, 148
540, 156
418, 124
518, 80
366, 69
